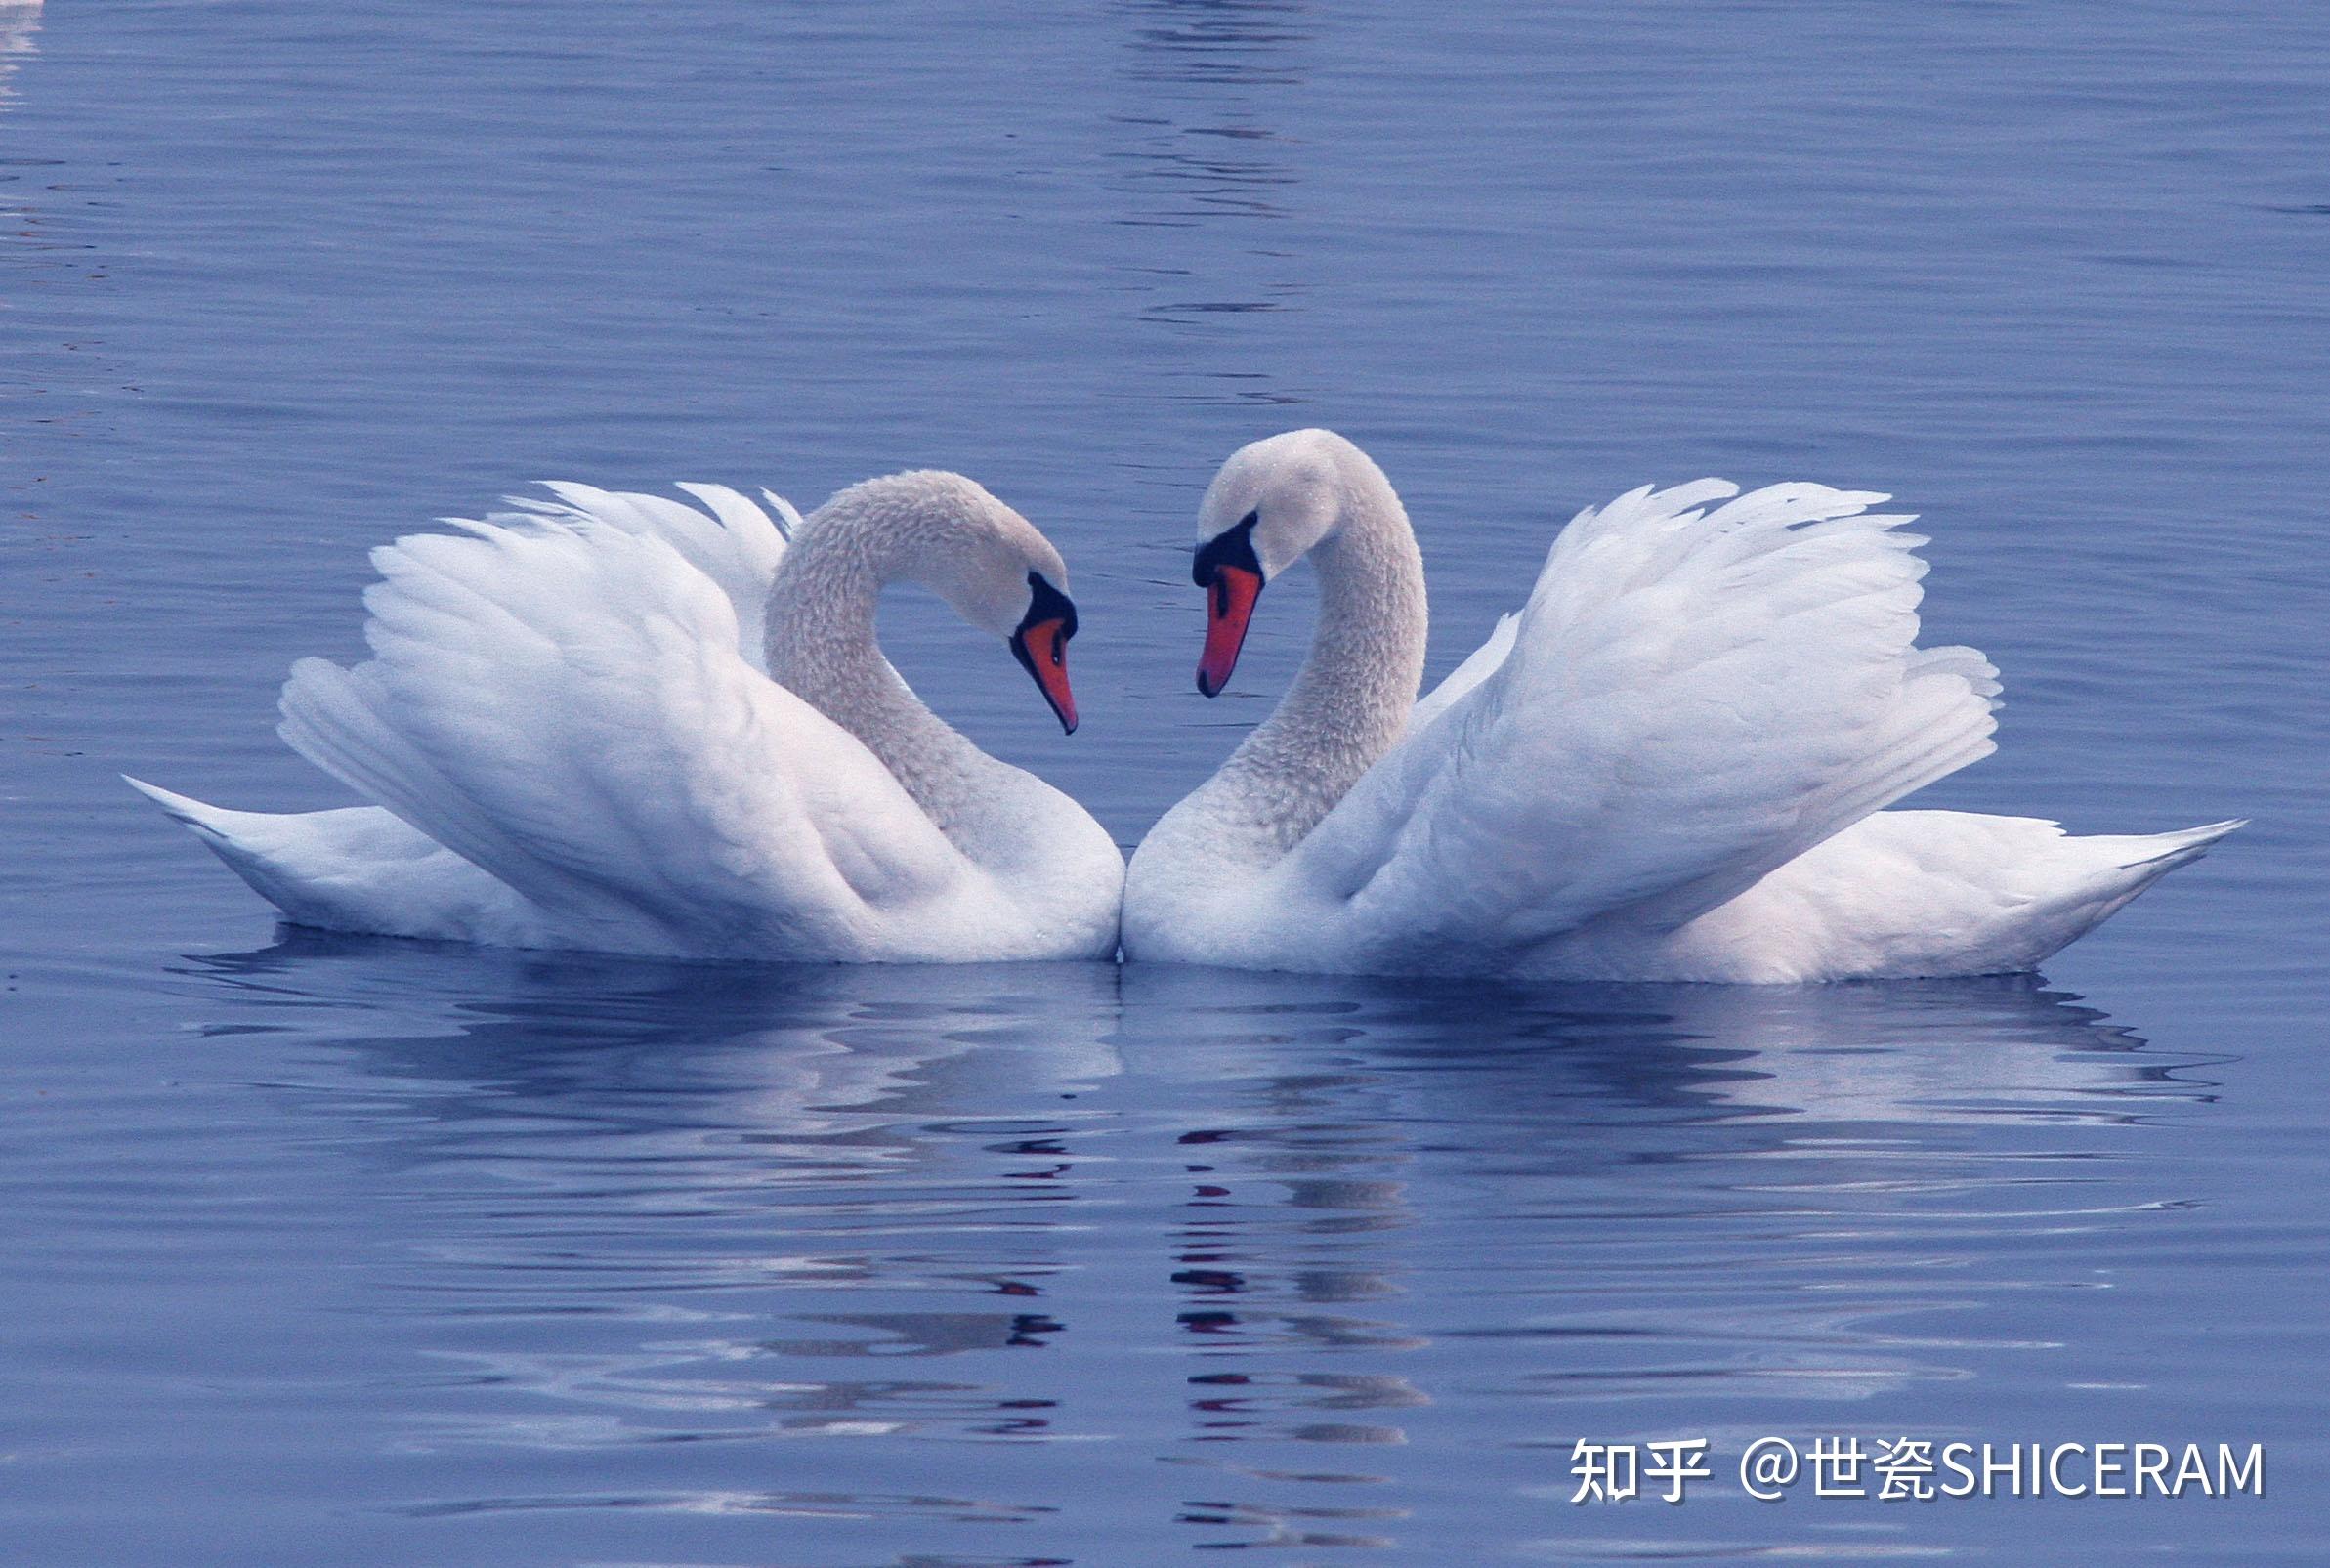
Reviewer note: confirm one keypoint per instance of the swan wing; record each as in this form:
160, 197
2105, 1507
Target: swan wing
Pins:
1694, 694
736, 541
562, 697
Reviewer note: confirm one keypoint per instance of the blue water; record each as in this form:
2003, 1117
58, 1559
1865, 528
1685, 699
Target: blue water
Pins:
334, 1252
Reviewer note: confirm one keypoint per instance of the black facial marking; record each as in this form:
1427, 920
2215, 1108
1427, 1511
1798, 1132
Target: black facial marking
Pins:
1046, 603
1232, 547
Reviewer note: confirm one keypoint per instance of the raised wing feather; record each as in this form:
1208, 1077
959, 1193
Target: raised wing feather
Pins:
737, 545
562, 697
1689, 699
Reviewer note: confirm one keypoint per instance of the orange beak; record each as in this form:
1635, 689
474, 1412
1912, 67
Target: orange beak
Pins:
1229, 606
1041, 648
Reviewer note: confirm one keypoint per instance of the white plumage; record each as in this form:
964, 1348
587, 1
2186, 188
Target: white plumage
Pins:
1664, 767
573, 740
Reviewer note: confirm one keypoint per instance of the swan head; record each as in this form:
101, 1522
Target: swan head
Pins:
1273, 503
991, 564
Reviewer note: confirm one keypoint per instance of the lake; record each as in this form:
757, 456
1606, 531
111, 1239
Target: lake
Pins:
328, 1251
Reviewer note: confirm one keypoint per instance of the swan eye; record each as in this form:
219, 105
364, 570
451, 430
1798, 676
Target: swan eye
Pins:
1251, 518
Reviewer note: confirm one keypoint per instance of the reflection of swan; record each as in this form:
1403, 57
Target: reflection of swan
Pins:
629, 1202
812, 1053
1742, 1192
623, 725
723, 1197
1980, 1051
1662, 768
1575, 1067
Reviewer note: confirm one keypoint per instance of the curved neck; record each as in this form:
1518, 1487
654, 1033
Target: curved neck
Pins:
1350, 703
821, 647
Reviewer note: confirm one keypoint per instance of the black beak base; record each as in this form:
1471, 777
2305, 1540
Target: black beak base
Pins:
1231, 547
1049, 622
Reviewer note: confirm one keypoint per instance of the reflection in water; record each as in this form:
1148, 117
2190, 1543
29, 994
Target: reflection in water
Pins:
684, 1148
615, 1264
1270, 1230
1697, 1192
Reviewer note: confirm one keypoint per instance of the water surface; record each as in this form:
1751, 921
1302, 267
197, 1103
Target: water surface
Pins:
325, 1250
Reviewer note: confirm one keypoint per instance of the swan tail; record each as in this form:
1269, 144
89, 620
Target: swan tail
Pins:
1928, 893
355, 868
2158, 854
253, 844
2087, 880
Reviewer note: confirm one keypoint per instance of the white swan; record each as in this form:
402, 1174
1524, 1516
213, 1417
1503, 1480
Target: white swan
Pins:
617, 723
1668, 766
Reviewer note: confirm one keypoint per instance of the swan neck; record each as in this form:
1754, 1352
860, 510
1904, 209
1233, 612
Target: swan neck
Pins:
1350, 703
821, 647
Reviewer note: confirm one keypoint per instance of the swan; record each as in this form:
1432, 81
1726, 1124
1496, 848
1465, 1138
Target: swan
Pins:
619, 723
1668, 765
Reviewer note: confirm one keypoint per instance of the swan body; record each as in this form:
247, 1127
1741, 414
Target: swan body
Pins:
620, 723
1670, 764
